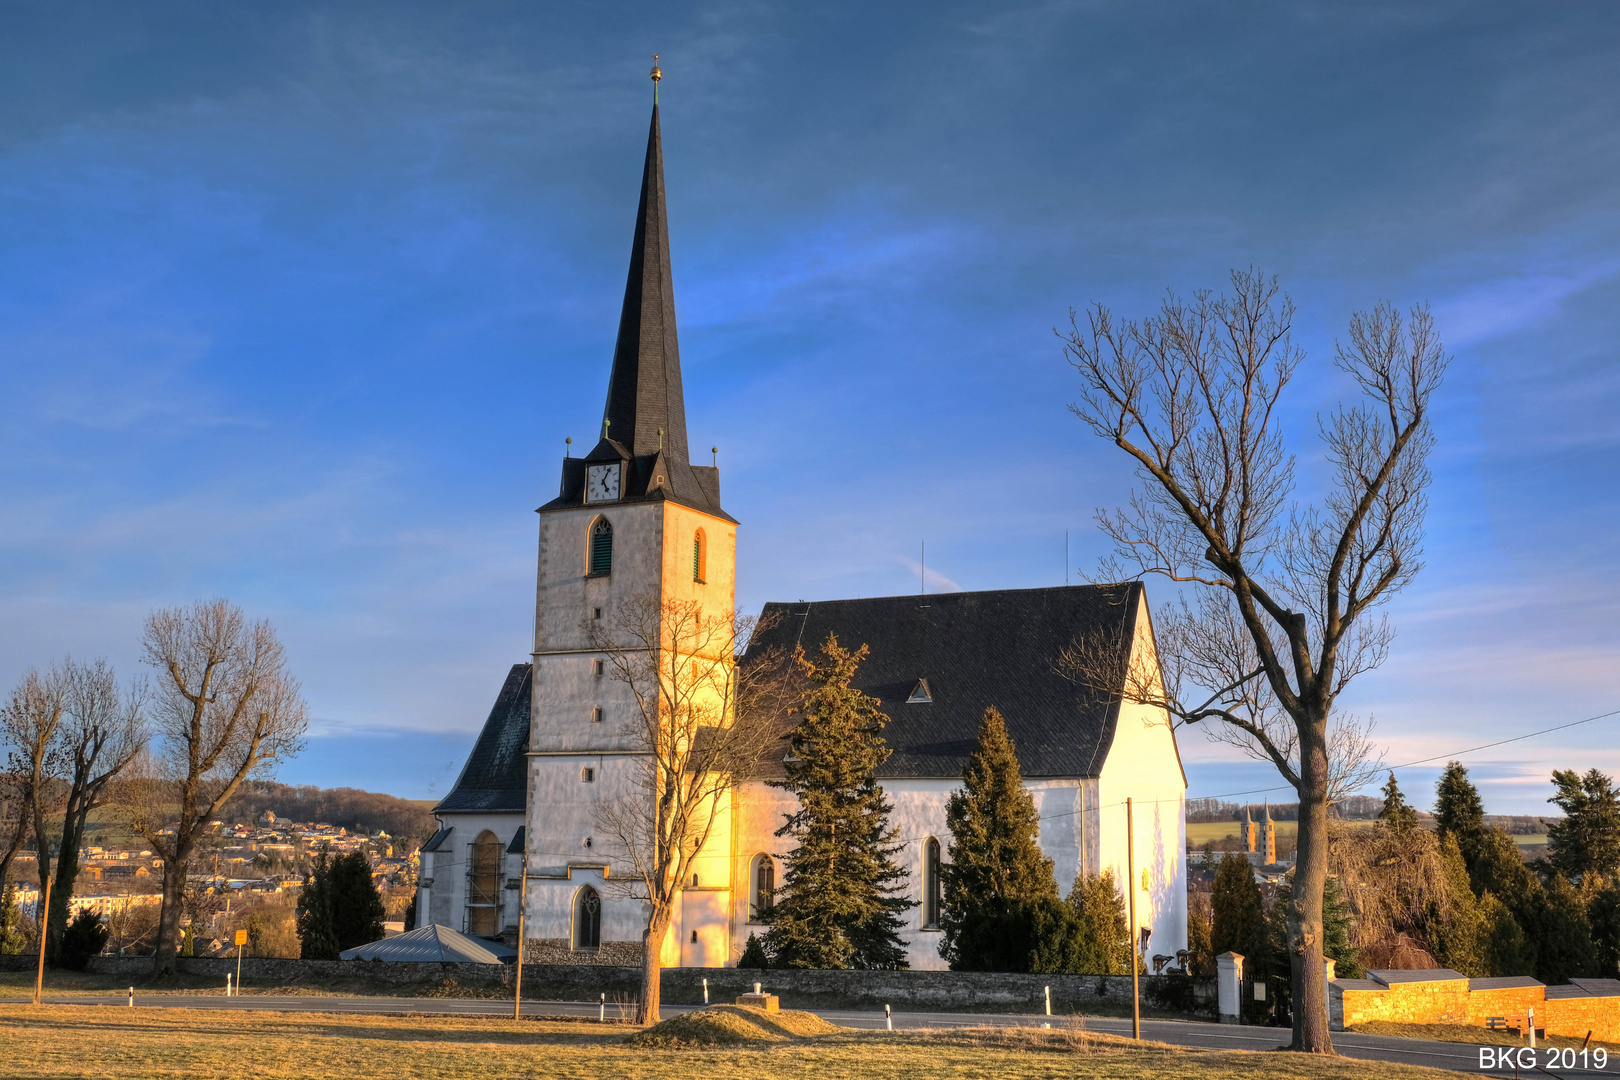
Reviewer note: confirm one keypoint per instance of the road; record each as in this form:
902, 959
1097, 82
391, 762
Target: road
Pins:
1462, 1057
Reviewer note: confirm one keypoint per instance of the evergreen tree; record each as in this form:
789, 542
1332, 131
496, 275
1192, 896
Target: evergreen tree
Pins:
1564, 948
1498, 868
1200, 923
753, 955
1505, 949
840, 903
1458, 940
997, 875
83, 938
1458, 811
1103, 923
1239, 918
357, 906
13, 935
1603, 912
410, 910
1396, 813
1587, 840
317, 936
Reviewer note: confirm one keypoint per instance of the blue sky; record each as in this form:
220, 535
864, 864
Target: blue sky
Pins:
298, 302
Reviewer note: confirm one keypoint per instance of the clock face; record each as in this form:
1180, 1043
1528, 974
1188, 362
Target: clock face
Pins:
601, 483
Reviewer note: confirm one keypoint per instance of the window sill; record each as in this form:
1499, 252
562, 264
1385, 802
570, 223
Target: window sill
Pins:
600, 573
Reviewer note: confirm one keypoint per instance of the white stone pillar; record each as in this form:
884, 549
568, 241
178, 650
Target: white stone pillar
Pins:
1229, 986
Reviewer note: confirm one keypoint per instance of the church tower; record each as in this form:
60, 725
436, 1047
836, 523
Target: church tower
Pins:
634, 521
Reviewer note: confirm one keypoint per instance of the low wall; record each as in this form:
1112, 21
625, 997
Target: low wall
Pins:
1575, 1016
942, 991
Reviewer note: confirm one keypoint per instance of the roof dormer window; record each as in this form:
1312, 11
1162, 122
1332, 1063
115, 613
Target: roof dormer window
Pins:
920, 694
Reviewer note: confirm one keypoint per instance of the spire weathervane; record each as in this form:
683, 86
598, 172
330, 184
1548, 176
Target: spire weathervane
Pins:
656, 75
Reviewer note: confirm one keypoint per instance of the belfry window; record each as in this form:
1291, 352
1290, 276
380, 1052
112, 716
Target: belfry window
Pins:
700, 571
587, 919
601, 547
931, 890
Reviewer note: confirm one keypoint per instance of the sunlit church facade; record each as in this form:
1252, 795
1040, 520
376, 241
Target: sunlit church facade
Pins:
633, 518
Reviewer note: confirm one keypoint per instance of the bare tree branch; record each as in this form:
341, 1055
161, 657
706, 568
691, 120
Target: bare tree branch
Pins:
1279, 626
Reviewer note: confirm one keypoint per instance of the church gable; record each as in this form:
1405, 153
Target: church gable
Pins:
495, 777
968, 651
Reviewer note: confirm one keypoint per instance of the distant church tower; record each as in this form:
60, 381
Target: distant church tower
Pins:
634, 520
1250, 833
1271, 838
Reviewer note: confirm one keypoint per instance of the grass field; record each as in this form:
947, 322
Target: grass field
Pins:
1470, 1033
57, 1042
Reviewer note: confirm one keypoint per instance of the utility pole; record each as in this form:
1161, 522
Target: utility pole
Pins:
44, 925
1130, 887
523, 896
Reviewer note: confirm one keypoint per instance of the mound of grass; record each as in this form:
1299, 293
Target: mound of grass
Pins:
733, 1025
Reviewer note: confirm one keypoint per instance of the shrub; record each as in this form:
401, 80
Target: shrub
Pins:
84, 937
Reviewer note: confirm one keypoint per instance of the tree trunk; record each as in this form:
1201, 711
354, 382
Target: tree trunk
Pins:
168, 937
67, 875
652, 967
1311, 1033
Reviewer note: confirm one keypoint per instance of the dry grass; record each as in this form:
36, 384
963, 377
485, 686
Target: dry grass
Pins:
99, 1043
1470, 1033
20, 985
733, 1025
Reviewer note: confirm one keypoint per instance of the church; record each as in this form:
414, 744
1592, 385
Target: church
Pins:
521, 833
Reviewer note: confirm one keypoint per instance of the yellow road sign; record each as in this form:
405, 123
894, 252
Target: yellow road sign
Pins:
241, 937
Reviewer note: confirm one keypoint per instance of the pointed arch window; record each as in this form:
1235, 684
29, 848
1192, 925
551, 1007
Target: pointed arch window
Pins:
700, 567
484, 885
587, 919
601, 547
762, 896
931, 884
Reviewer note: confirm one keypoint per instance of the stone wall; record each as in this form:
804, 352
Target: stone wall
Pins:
1575, 1016
1439, 1002
555, 951
917, 991
1511, 1004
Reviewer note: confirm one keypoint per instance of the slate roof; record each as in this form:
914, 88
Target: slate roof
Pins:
644, 421
975, 649
1502, 982
1392, 976
495, 777
1586, 988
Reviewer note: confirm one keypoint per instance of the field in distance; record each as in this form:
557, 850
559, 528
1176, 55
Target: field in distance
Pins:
1201, 832
56, 1042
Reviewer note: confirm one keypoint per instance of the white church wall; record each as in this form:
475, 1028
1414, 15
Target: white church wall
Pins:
1143, 765
446, 902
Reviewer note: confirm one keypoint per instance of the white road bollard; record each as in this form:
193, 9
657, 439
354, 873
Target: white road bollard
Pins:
132, 997
705, 991
1048, 1001
1532, 1019
888, 1018
227, 984
601, 1012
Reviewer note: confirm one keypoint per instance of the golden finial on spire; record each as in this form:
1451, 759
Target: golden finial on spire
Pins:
656, 75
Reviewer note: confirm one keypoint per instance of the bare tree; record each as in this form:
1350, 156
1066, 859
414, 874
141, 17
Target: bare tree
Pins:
30, 720
1284, 619
703, 722
224, 709
101, 733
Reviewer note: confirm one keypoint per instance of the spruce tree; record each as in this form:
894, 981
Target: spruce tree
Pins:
1505, 949
357, 907
1603, 912
753, 955
1396, 813
1587, 840
317, 936
1104, 946
1239, 917
997, 874
1458, 939
1458, 811
1498, 868
1564, 948
840, 904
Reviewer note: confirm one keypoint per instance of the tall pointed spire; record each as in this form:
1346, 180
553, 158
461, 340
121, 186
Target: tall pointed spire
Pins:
644, 392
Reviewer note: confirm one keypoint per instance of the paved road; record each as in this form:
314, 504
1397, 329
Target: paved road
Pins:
1461, 1057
